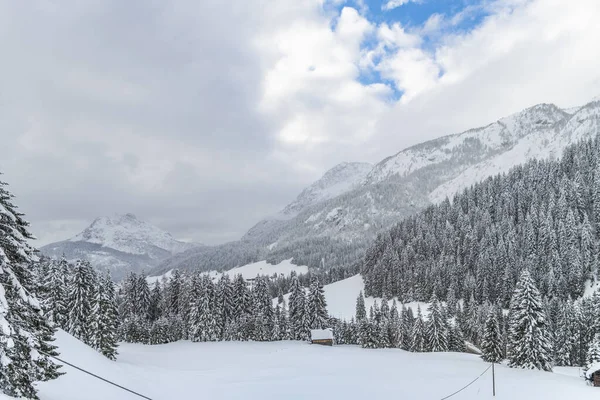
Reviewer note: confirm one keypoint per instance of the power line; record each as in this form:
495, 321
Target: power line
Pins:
87, 372
466, 386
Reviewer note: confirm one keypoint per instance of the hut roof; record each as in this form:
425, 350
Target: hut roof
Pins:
595, 367
321, 334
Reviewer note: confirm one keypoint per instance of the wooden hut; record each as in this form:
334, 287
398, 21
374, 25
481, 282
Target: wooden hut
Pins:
593, 374
322, 336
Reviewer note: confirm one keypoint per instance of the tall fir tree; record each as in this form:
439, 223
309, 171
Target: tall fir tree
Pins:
491, 344
317, 306
104, 318
529, 342
156, 302
80, 294
25, 335
361, 311
297, 309
436, 330
418, 339
593, 353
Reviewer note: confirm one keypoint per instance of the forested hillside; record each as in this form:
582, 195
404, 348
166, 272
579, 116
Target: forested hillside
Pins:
543, 215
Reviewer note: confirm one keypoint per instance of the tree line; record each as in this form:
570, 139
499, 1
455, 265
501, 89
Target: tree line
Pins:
196, 307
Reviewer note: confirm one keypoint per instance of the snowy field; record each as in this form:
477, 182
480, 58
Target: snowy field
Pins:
296, 370
341, 298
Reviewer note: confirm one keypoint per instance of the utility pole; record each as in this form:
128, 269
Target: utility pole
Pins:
493, 381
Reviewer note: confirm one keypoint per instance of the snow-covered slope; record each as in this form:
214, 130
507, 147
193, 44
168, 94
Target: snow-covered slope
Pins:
338, 180
298, 370
319, 225
248, 271
120, 243
341, 298
128, 234
263, 268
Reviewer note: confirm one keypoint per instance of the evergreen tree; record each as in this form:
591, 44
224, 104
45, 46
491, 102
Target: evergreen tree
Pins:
418, 340
456, 339
104, 317
436, 332
406, 327
361, 311
317, 306
175, 301
297, 307
263, 311
593, 353
54, 301
529, 342
80, 294
143, 297
156, 301
24, 332
491, 345
225, 304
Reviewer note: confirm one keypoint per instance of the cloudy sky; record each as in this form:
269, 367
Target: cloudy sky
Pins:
204, 116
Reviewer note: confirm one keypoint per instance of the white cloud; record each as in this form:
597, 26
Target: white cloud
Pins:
162, 119
391, 4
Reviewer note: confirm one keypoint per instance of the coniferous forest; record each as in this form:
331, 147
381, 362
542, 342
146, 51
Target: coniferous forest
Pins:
503, 269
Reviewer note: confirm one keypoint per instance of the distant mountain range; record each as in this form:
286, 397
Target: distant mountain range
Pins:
120, 243
334, 220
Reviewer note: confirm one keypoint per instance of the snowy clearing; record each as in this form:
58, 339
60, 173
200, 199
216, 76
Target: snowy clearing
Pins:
294, 370
250, 271
341, 298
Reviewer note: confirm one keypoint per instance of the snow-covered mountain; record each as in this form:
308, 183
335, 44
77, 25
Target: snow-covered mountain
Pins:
333, 228
120, 243
338, 180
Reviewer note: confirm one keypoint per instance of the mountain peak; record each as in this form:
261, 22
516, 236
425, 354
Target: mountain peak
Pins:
127, 233
121, 243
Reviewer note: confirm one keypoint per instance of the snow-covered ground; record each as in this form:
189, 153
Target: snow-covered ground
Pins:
341, 298
295, 370
248, 271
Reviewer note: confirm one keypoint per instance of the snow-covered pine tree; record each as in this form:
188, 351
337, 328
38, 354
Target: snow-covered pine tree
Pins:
241, 298
406, 326
436, 330
529, 342
456, 339
156, 301
143, 296
317, 306
284, 326
418, 343
393, 326
174, 297
297, 307
54, 301
104, 318
224, 303
81, 290
25, 335
593, 353
198, 308
361, 311
263, 310
491, 343
159, 332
